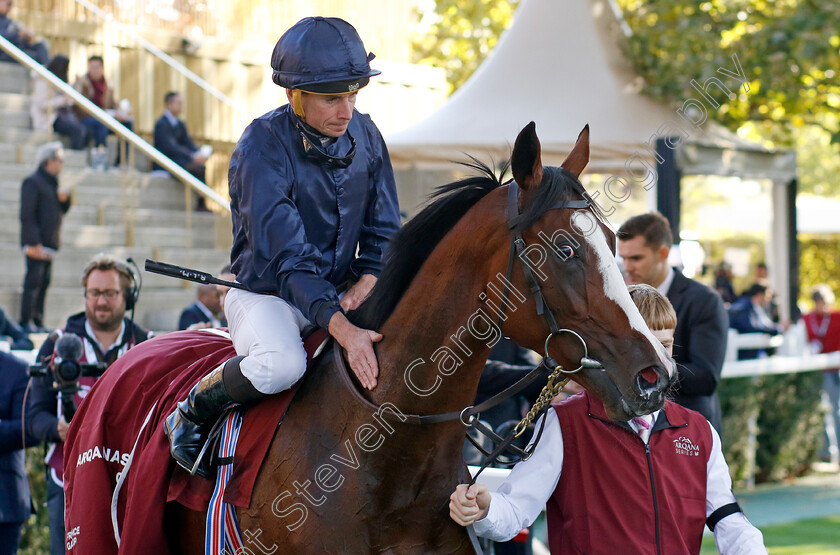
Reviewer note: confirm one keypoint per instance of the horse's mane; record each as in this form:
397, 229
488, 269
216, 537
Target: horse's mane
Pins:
416, 240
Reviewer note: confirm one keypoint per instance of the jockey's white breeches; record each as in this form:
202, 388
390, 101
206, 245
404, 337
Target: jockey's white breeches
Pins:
266, 330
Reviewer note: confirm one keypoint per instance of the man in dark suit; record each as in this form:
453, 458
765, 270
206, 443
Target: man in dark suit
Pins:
748, 315
42, 206
644, 242
15, 506
173, 140
205, 312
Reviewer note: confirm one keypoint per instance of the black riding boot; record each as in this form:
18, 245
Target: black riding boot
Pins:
189, 426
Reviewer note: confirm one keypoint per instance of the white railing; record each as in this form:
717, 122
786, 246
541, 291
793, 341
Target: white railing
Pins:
115, 126
166, 58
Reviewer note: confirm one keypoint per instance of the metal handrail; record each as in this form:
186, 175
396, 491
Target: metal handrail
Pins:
115, 126
169, 60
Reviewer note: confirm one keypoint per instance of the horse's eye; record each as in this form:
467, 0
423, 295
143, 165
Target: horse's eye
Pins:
566, 252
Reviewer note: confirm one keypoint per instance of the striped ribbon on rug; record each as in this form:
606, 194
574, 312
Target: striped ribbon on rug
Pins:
222, 536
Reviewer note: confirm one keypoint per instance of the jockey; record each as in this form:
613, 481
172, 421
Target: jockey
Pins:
314, 205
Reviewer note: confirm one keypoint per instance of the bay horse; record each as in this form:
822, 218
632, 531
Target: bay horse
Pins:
349, 471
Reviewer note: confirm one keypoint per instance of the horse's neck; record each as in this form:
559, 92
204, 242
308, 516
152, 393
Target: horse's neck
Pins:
427, 336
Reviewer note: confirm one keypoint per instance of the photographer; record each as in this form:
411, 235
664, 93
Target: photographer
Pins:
106, 334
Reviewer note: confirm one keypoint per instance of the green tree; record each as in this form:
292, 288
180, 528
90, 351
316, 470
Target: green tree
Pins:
462, 33
789, 51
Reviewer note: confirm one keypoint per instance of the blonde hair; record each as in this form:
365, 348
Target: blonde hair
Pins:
655, 307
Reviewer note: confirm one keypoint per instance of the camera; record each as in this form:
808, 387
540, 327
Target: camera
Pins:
65, 369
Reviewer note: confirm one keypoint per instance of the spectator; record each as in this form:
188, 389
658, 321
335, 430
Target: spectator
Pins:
51, 109
823, 326
205, 312
15, 505
647, 485
42, 206
106, 335
173, 140
226, 275
723, 283
644, 242
771, 306
748, 315
95, 88
18, 339
20, 36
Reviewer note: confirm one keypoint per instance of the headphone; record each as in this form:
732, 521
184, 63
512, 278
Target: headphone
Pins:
127, 270
133, 293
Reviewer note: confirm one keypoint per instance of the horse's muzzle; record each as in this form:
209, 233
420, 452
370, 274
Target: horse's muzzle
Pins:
651, 384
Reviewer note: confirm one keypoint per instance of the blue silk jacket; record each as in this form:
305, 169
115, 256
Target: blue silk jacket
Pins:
297, 225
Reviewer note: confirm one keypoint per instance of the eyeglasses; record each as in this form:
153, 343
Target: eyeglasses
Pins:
109, 294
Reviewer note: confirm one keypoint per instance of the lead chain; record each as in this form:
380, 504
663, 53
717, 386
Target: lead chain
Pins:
548, 393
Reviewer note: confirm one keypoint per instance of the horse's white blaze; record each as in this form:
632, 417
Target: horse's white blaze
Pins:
614, 286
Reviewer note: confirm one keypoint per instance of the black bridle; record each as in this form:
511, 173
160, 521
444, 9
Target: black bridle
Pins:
469, 416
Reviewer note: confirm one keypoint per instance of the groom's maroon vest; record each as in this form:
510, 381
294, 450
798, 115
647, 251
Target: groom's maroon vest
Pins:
605, 500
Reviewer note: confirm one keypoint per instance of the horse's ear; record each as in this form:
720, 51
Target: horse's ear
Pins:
579, 156
526, 159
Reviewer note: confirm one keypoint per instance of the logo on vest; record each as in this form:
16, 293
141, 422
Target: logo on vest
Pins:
684, 446
105, 453
72, 538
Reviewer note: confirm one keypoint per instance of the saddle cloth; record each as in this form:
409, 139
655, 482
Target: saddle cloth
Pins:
119, 426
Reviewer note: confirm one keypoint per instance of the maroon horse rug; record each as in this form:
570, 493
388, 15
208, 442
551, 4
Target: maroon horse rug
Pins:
118, 472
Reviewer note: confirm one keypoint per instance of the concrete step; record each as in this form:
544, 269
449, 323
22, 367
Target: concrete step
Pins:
67, 271
27, 155
70, 261
14, 78
106, 237
113, 187
17, 136
202, 222
15, 118
15, 101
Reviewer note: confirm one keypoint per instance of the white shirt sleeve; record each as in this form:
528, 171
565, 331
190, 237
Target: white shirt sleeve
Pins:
734, 535
521, 498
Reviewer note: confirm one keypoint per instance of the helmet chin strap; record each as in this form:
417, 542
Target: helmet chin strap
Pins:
297, 105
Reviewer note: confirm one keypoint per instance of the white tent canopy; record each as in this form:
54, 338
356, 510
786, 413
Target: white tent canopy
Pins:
559, 65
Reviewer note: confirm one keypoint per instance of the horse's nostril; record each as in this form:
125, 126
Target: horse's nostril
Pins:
647, 383
649, 375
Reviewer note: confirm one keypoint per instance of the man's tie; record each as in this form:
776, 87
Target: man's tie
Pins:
643, 426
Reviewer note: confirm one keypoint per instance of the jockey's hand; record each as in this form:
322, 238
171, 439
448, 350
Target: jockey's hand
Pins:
358, 293
466, 505
358, 343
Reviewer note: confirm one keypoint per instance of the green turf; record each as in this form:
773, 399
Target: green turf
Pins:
819, 536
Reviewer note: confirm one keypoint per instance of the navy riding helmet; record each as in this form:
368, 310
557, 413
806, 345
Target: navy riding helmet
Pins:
322, 55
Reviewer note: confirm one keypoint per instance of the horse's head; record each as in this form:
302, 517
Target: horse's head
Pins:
571, 254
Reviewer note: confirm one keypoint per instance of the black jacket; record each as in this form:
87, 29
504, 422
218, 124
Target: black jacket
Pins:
699, 345
14, 485
194, 315
40, 210
175, 142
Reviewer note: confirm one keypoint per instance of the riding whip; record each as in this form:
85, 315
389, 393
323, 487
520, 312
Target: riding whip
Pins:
180, 272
